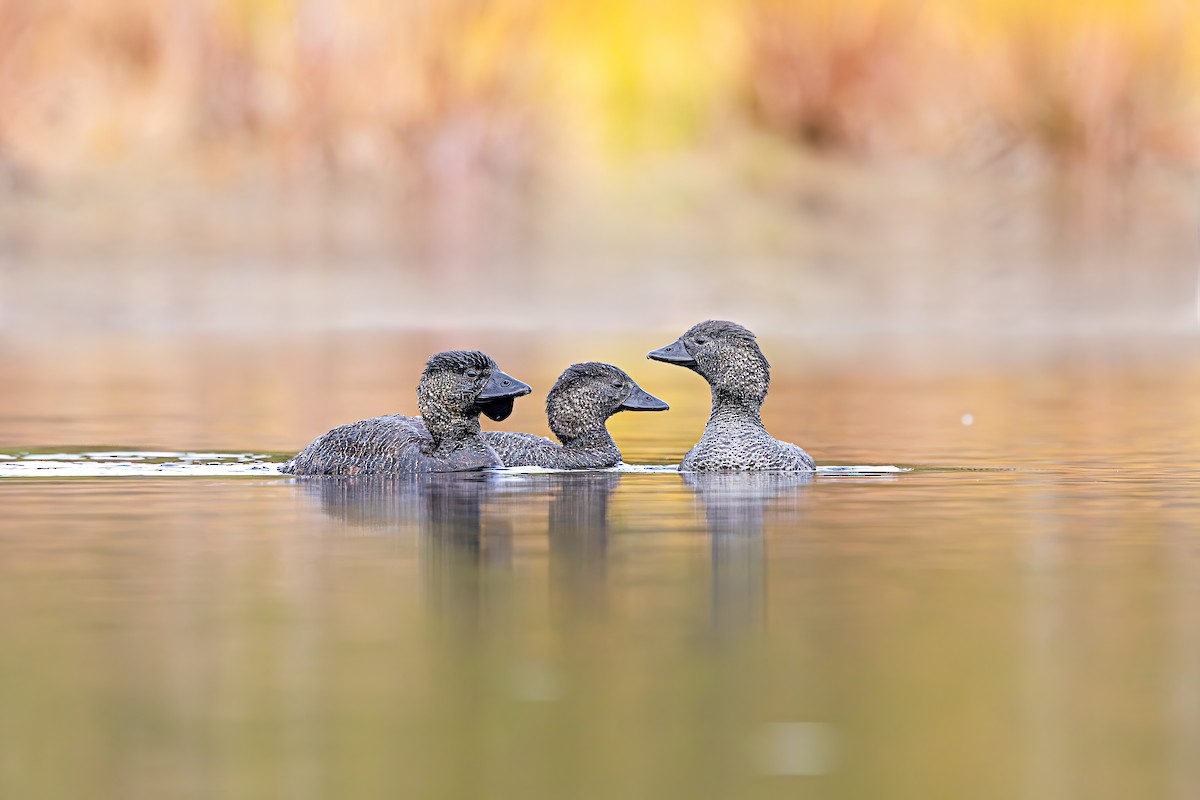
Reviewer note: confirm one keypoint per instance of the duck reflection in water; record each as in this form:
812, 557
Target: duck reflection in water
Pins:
469, 521
440, 502
445, 511
468, 525
735, 510
578, 531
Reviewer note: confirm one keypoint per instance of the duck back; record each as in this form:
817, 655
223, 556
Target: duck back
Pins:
523, 449
387, 445
530, 450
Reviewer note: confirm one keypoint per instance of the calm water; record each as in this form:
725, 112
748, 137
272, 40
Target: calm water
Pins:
1015, 618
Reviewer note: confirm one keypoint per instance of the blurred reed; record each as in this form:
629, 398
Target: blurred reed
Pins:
458, 88
834, 76
421, 86
1107, 83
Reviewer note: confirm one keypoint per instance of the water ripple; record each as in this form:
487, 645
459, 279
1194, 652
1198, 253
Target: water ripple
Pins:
157, 463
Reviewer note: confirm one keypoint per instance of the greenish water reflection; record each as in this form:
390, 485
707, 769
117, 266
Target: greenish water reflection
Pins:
1023, 627
932, 634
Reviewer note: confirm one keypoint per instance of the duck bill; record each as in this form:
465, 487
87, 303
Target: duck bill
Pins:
495, 400
641, 400
674, 353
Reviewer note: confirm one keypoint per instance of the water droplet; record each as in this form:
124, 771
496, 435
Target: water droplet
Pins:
796, 748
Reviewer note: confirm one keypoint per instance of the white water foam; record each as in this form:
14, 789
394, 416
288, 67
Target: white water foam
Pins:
623, 468
132, 463
830, 471
836, 470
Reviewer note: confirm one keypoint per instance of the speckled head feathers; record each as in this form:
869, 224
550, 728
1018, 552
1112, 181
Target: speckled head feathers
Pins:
590, 369
446, 394
584, 396
457, 361
729, 358
726, 330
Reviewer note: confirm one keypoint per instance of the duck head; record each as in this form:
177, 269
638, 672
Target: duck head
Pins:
723, 353
587, 394
459, 385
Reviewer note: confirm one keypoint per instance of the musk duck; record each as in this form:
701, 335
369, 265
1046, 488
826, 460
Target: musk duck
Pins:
727, 356
456, 387
577, 407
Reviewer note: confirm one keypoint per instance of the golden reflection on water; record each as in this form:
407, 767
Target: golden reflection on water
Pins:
988, 634
1024, 632
1106, 403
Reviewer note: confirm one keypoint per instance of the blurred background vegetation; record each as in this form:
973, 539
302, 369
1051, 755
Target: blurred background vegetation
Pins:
507, 87
762, 135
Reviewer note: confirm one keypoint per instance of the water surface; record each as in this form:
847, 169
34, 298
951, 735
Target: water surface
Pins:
1016, 617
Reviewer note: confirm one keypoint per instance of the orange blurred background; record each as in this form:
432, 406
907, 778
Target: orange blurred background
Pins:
861, 166
505, 88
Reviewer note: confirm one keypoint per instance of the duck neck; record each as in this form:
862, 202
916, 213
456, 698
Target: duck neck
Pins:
733, 406
593, 447
592, 438
739, 388
448, 428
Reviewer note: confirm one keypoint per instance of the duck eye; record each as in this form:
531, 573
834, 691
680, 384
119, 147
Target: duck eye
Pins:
699, 341
471, 373
618, 385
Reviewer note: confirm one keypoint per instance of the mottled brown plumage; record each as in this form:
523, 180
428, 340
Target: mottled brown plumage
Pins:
727, 356
455, 388
577, 407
